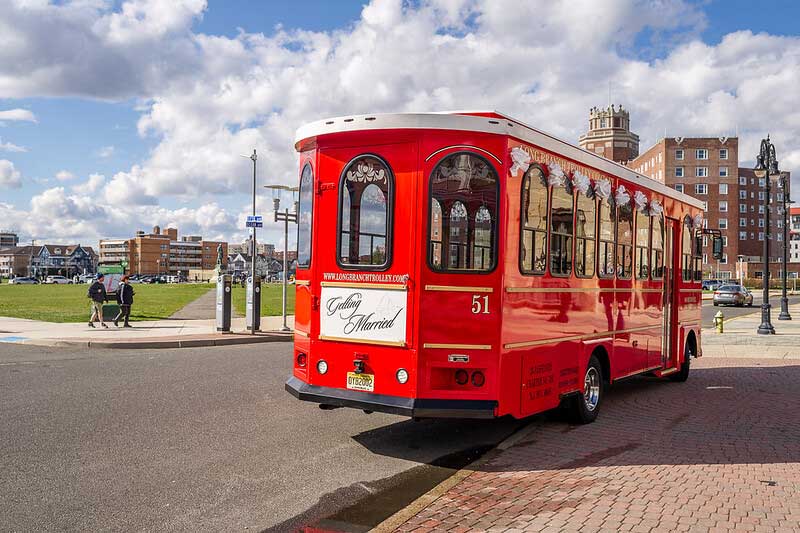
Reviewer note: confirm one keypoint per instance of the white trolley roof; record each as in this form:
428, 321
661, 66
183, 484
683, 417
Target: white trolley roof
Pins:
496, 123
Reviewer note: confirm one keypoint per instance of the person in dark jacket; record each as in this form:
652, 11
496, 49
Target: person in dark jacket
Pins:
125, 300
97, 293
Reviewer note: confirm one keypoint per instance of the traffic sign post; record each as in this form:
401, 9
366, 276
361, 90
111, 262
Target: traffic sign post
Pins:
254, 221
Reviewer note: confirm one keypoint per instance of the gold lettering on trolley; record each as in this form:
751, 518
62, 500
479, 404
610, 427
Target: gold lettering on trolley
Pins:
540, 156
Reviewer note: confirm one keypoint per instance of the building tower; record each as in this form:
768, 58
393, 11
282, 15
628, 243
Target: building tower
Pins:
610, 135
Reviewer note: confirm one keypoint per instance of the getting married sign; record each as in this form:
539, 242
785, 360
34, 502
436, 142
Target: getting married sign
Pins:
363, 314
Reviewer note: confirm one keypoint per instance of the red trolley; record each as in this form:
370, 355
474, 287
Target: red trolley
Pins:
469, 265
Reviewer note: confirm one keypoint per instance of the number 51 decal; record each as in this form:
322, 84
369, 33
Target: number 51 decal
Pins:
480, 304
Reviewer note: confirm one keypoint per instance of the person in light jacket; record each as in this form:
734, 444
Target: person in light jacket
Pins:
125, 300
97, 293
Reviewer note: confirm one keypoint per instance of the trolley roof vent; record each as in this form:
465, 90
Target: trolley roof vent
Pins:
348, 120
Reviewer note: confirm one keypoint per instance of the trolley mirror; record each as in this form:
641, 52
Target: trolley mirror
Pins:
716, 244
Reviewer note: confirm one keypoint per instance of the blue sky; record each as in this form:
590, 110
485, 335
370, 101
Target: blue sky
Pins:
167, 68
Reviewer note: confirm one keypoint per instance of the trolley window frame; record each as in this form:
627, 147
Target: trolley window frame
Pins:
310, 233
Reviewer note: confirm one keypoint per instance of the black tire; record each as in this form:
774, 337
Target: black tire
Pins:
584, 408
715, 304
683, 374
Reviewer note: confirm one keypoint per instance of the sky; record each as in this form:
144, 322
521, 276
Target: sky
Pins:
121, 115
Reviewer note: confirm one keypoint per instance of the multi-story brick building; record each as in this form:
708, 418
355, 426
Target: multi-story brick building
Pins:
610, 134
160, 252
8, 239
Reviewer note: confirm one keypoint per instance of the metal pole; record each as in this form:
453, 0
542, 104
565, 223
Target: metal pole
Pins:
285, 268
254, 255
784, 299
766, 327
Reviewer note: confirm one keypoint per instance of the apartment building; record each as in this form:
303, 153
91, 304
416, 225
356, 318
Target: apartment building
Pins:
8, 239
161, 252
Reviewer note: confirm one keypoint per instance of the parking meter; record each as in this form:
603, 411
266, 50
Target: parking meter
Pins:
223, 302
253, 308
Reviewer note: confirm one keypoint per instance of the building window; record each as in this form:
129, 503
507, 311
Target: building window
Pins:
304, 214
585, 234
742, 222
724, 260
761, 195
624, 241
364, 213
723, 172
679, 187
705, 206
561, 210
723, 188
701, 153
723, 153
701, 188
742, 208
535, 206
760, 222
779, 236
742, 180
760, 209
723, 223
742, 195
723, 207
679, 155
742, 235
760, 235
705, 259
762, 182
678, 172
724, 241
603, 122
701, 172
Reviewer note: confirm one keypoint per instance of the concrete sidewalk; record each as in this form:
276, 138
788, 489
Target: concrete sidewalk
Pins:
147, 334
740, 337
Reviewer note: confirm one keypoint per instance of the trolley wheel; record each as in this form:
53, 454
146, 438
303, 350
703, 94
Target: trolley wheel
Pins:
586, 406
683, 374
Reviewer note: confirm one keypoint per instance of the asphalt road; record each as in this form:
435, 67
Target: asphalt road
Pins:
709, 310
203, 439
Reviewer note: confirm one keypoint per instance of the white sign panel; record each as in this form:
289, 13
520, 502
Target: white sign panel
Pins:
366, 315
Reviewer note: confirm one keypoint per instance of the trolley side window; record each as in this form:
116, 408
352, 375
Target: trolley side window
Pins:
605, 259
533, 220
304, 216
561, 223
686, 247
624, 241
585, 234
463, 215
642, 240
657, 260
365, 214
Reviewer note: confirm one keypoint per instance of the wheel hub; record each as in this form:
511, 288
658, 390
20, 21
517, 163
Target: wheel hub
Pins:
591, 388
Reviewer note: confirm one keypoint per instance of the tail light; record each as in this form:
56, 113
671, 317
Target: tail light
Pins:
462, 377
301, 360
478, 379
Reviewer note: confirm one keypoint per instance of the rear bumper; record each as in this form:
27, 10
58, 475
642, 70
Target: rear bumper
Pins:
396, 405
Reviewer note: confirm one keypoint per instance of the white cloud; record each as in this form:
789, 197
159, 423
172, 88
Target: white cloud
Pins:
17, 114
105, 152
64, 175
91, 185
11, 147
10, 177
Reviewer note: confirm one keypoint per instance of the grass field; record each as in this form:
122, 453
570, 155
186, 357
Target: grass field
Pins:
68, 303
271, 296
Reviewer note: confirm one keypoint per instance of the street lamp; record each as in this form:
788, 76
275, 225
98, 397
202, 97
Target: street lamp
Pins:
253, 158
784, 271
766, 167
285, 217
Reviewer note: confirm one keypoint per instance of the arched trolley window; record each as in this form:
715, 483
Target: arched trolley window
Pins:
365, 211
686, 250
657, 254
463, 215
642, 244
304, 216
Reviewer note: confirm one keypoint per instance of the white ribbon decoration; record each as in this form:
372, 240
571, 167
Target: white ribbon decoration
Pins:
640, 200
602, 188
522, 160
655, 208
581, 182
621, 197
556, 176
698, 220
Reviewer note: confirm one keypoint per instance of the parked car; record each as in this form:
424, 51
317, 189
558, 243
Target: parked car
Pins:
58, 280
86, 278
711, 284
733, 295
23, 281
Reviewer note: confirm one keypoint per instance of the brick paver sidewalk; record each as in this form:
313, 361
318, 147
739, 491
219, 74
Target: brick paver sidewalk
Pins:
718, 453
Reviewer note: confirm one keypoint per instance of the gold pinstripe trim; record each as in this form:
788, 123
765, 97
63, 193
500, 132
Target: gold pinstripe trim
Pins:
690, 290
361, 341
301, 333
440, 150
575, 289
554, 340
457, 288
302, 282
669, 371
345, 284
433, 345
689, 322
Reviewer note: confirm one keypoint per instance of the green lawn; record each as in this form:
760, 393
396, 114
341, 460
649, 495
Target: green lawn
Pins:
271, 297
68, 303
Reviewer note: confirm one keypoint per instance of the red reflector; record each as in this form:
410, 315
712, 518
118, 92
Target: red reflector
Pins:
478, 379
301, 359
462, 377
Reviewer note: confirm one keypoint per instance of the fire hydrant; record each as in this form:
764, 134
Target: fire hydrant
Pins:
719, 319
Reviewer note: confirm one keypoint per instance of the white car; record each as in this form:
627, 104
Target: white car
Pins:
23, 281
58, 280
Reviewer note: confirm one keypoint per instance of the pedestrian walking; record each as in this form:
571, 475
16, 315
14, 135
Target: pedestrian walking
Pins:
97, 293
125, 300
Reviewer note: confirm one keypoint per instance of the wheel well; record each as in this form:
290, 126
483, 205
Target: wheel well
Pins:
605, 366
691, 343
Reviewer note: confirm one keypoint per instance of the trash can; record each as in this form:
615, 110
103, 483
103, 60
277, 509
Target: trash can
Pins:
110, 311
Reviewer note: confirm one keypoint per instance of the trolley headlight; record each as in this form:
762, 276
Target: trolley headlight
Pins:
402, 375
322, 366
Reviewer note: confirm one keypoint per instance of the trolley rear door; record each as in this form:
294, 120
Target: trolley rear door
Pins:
671, 270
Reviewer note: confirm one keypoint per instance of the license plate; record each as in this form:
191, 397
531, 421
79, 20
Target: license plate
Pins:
362, 382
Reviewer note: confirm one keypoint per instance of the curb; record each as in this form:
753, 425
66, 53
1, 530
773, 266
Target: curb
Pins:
412, 509
161, 344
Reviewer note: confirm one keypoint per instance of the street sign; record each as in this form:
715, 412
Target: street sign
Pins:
255, 221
